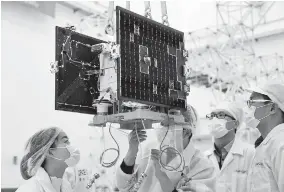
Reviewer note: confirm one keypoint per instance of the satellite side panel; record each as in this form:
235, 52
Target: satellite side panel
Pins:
150, 69
76, 85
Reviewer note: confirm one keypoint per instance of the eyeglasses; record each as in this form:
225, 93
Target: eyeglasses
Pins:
251, 102
217, 115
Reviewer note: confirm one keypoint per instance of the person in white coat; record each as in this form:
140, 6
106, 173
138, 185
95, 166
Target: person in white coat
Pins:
198, 174
267, 107
48, 154
231, 156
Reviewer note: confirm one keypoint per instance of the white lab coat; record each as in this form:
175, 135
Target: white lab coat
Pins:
248, 135
197, 167
79, 177
41, 182
74, 180
267, 170
233, 174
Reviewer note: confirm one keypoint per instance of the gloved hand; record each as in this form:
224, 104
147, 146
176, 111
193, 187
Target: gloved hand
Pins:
183, 182
194, 187
134, 138
154, 158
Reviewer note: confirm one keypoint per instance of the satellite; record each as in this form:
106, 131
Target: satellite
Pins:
76, 79
141, 76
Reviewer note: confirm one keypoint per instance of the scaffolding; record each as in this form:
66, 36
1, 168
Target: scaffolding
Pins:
223, 57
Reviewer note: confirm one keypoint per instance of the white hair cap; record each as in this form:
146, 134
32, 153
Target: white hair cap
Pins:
275, 91
233, 109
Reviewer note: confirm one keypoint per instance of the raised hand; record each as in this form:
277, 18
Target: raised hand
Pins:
134, 138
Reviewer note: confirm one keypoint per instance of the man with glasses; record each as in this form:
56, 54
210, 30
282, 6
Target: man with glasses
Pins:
267, 108
230, 156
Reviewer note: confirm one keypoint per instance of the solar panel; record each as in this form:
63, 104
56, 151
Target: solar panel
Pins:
75, 84
150, 69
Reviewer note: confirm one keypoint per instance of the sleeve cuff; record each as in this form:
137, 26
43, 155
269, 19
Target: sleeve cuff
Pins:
122, 179
126, 169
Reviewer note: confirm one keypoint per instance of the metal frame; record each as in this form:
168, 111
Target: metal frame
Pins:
226, 53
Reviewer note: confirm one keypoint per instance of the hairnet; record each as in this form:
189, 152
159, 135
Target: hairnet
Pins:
36, 150
274, 91
233, 109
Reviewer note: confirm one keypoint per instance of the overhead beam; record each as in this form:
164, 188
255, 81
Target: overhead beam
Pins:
88, 7
265, 30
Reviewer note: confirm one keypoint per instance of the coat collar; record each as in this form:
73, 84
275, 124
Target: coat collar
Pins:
228, 147
44, 180
273, 133
42, 175
238, 147
188, 152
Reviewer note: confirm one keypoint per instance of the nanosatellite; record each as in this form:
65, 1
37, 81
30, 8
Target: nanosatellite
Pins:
140, 76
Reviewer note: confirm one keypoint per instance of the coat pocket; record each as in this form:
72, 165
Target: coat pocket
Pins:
260, 178
239, 181
222, 186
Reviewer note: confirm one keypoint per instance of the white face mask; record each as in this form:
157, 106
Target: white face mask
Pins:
254, 122
218, 127
74, 158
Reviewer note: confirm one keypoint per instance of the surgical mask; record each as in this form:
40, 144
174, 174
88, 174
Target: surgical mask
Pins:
254, 122
56, 183
74, 156
218, 127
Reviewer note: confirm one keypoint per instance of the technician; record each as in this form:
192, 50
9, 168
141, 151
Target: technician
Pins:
267, 107
230, 155
198, 174
48, 154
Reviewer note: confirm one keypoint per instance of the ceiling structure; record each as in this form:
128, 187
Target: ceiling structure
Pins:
223, 57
